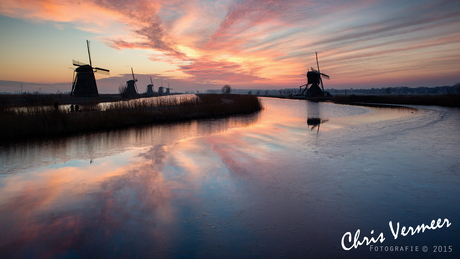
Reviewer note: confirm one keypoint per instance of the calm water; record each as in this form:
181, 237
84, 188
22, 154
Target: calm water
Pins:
290, 182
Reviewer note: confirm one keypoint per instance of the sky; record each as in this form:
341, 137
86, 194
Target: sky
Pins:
248, 44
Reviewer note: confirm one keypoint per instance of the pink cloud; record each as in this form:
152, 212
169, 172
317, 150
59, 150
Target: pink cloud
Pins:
207, 70
258, 41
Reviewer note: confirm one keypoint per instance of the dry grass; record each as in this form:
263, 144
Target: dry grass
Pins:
34, 121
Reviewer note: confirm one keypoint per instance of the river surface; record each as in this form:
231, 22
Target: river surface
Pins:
296, 180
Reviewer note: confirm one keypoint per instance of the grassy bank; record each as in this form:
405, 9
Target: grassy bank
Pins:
447, 100
36, 121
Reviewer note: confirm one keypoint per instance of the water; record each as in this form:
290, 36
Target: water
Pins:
290, 181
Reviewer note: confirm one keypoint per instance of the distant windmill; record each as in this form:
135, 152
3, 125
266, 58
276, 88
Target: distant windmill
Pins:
314, 78
168, 90
84, 82
161, 88
150, 87
131, 88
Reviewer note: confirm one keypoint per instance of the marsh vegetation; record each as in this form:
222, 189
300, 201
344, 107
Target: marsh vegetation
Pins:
39, 120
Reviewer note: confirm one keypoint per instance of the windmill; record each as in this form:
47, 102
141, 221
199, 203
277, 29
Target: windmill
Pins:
314, 78
84, 82
131, 89
150, 87
161, 88
168, 90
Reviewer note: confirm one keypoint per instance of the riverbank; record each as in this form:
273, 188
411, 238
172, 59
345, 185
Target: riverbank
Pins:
446, 100
39, 121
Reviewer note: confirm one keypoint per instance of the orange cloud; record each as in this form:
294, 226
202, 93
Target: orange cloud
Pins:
266, 42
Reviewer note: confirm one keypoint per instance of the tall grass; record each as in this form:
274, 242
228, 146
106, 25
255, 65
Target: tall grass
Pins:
46, 121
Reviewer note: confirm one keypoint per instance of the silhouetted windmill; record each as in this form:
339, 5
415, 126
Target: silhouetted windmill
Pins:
84, 82
150, 87
168, 90
161, 88
131, 88
314, 79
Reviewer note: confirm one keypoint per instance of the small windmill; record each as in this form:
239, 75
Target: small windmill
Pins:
161, 88
131, 88
150, 87
84, 82
314, 78
168, 90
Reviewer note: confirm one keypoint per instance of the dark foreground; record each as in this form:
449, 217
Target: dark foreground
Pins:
38, 121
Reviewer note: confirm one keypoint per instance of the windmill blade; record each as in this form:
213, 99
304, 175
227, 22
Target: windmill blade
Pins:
73, 83
78, 63
89, 54
317, 64
132, 72
151, 80
102, 71
325, 76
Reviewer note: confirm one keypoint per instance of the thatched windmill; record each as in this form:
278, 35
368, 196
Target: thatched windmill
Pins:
168, 90
84, 82
314, 79
161, 89
150, 88
131, 88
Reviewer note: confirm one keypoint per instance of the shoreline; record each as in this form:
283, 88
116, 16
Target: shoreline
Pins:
39, 122
43, 121
446, 100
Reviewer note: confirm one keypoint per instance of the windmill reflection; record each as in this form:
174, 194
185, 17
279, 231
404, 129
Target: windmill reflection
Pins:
315, 123
314, 116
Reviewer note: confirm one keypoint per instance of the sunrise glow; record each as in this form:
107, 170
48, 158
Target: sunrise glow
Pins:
200, 44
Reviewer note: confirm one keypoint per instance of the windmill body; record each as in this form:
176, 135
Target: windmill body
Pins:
150, 88
84, 83
131, 89
168, 90
314, 79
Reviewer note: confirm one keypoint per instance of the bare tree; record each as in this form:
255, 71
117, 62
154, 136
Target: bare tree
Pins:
226, 89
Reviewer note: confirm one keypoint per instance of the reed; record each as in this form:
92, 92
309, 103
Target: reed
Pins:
35, 121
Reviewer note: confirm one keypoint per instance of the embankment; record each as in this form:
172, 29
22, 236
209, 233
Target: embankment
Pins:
447, 100
39, 121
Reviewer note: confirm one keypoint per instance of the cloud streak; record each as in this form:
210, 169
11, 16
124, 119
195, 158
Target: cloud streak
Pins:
246, 42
